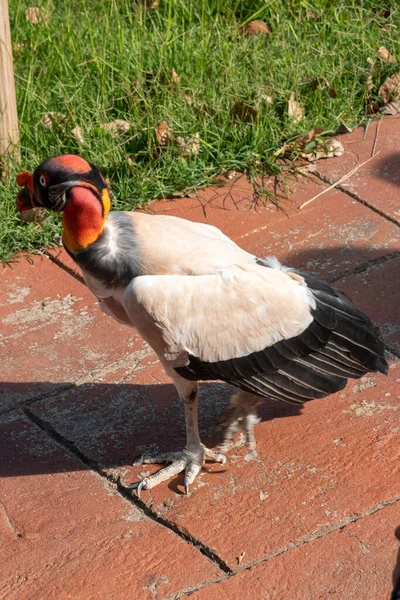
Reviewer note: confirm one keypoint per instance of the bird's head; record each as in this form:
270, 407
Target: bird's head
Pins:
51, 183
70, 184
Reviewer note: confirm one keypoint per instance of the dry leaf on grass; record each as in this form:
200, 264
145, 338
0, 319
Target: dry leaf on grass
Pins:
77, 134
53, 118
187, 99
256, 28
295, 110
326, 149
267, 99
322, 81
34, 215
37, 15
266, 95
243, 112
189, 145
117, 127
163, 134
299, 143
369, 73
390, 90
385, 55
393, 108
174, 76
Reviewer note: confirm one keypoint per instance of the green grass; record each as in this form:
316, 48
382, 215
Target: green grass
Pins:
96, 61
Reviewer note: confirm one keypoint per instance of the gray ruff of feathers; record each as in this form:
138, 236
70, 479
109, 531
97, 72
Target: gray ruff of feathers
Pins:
212, 311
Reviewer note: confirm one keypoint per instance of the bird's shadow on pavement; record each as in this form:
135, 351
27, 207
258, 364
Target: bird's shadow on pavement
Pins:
108, 424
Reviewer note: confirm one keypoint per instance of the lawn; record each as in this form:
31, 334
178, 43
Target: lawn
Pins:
186, 63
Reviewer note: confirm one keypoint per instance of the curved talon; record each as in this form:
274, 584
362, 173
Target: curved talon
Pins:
189, 460
138, 460
139, 486
217, 456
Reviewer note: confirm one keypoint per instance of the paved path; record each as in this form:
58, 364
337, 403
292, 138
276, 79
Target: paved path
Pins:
315, 518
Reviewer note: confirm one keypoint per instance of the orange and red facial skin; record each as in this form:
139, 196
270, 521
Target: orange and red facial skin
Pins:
88, 203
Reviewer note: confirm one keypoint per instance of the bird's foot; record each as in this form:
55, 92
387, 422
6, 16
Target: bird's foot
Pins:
241, 417
188, 460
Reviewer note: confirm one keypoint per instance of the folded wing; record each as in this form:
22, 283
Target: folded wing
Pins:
268, 331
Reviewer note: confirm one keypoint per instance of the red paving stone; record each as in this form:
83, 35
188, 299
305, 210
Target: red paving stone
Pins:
69, 534
319, 464
335, 235
354, 563
378, 181
53, 333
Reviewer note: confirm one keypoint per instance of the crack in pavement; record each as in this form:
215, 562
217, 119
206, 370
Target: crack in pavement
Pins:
363, 267
67, 444
356, 197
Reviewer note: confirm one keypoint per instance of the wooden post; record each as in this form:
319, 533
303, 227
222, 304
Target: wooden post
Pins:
8, 106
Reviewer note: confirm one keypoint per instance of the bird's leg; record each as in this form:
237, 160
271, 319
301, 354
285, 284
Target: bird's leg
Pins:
192, 458
241, 415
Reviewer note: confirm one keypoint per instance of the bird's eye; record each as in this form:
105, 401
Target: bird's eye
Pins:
43, 180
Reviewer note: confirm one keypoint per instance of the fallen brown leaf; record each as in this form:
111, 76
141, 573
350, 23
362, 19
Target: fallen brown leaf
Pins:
390, 90
295, 110
33, 215
163, 134
175, 77
117, 127
187, 99
385, 55
37, 15
266, 95
256, 28
322, 81
393, 108
370, 71
300, 143
244, 112
52, 118
189, 145
77, 134
326, 149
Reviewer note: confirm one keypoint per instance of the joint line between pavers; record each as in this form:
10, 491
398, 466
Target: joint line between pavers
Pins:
137, 356
360, 200
93, 466
321, 533
363, 267
38, 398
340, 526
